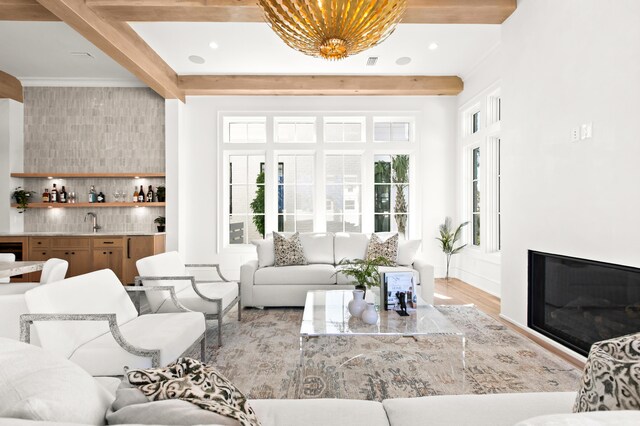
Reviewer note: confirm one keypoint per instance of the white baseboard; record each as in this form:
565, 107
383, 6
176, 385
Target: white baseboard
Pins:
483, 283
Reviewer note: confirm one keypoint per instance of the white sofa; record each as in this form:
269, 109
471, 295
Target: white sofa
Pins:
38, 388
263, 284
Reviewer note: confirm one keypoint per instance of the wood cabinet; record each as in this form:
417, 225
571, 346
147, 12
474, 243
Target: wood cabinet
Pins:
91, 253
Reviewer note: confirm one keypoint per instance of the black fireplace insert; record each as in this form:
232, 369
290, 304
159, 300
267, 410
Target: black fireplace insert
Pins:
577, 302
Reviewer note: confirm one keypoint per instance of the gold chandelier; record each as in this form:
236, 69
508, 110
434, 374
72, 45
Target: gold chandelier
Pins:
333, 29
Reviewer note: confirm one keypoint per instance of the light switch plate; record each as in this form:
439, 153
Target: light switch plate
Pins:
586, 131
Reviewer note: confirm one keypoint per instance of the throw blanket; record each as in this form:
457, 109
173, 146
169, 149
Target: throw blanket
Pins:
190, 380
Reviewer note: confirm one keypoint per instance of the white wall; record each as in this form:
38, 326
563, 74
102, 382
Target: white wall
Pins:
11, 160
568, 62
477, 266
199, 221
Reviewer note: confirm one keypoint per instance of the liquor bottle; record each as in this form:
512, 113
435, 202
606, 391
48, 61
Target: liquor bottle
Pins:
141, 195
45, 196
63, 195
135, 195
150, 194
92, 194
101, 197
54, 194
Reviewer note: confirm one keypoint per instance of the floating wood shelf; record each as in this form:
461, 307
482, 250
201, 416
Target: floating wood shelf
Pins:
88, 175
89, 205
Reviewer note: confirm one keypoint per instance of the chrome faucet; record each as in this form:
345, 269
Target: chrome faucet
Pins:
94, 221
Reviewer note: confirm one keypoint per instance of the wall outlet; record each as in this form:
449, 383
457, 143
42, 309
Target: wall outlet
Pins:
586, 131
575, 134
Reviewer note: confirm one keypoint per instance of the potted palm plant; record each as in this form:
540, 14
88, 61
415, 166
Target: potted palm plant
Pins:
364, 272
448, 239
160, 220
22, 198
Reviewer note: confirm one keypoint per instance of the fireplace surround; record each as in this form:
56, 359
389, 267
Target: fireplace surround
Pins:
577, 302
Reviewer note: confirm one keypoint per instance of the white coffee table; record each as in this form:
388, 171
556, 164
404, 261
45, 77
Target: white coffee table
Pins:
326, 313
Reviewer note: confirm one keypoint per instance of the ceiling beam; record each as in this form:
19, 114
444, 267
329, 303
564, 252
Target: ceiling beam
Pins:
121, 43
24, 10
10, 87
287, 85
418, 11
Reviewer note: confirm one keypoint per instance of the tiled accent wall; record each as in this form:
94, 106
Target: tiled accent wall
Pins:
93, 130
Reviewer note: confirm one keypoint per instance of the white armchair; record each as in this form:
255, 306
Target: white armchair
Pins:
213, 298
7, 257
91, 320
54, 270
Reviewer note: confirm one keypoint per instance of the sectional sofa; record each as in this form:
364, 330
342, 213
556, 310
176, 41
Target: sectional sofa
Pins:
38, 388
263, 284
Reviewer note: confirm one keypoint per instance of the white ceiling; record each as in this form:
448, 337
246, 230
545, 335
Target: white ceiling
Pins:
252, 48
40, 53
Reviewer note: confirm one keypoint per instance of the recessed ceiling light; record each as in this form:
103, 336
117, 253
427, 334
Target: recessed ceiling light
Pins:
213, 45
433, 46
196, 59
403, 61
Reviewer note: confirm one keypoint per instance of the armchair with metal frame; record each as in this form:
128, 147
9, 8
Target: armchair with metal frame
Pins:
213, 298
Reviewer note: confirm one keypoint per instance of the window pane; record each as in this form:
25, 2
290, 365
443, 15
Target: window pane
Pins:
287, 223
238, 204
255, 166
333, 132
476, 163
382, 223
237, 229
382, 169
476, 229
254, 233
353, 132
353, 169
353, 223
400, 168
304, 199
382, 132
382, 198
286, 132
237, 132
256, 132
304, 168
334, 199
475, 122
305, 132
304, 223
334, 169
352, 198
400, 132
335, 224
476, 197
238, 168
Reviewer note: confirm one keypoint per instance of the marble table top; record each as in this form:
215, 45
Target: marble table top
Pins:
10, 269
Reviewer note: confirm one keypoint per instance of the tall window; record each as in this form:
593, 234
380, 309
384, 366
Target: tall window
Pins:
344, 193
475, 195
246, 198
391, 193
296, 190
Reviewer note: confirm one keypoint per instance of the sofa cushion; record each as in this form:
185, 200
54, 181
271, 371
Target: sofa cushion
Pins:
171, 333
321, 412
478, 410
318, 247
611, 378
266, 252
162, 265
308, 274
407, 251
387, 248
99, 292
596, 418
38, 385
288, 250
350, 246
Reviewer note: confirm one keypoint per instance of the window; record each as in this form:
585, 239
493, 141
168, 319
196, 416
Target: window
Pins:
392, 130
245, 129
295, 189
475, 122
475, 197
344, 193
494, 108
246, 198
344, 129
295, 129
391, 193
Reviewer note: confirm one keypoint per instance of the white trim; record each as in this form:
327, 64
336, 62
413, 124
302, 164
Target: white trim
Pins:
79, 82
475, 67
479, 281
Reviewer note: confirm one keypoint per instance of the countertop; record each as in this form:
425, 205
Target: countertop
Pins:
78, 234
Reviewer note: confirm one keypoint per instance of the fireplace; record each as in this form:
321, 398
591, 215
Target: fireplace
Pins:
577, 302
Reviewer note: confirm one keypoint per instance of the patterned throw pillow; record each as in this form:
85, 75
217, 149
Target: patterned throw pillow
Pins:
288, 251
611, 378
387, 249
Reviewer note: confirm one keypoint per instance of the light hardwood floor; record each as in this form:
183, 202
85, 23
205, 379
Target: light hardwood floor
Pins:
456, 292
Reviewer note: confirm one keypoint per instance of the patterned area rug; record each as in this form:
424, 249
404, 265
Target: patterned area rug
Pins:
261, 356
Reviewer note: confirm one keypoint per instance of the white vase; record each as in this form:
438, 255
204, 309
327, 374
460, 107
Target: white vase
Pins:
357, 305
369, 315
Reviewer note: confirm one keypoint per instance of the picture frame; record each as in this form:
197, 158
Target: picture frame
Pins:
395, 286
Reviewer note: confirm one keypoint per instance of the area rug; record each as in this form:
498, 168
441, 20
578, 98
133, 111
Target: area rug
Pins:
261, 356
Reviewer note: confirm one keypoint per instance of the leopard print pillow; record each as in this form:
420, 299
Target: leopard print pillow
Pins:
387, 249
288, 251
611, 378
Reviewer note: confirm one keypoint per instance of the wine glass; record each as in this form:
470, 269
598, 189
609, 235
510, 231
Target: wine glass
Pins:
116, 196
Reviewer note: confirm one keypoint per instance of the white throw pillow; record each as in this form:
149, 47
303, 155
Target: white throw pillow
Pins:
39, 385
266, 252
407, 251
350, 246
318, 247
